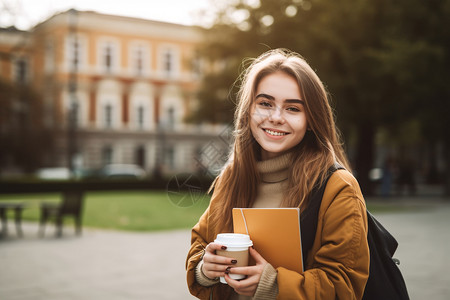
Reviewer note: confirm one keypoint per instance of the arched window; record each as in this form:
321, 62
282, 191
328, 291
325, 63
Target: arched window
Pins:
140, 116
171, 118
108, 115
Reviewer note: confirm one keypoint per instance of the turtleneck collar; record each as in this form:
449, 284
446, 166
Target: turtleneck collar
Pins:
276, 169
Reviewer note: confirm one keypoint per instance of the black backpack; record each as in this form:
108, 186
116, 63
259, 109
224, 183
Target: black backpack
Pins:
385, 279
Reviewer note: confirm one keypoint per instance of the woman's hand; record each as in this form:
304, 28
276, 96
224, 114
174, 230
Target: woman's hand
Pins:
215, 265
247, 287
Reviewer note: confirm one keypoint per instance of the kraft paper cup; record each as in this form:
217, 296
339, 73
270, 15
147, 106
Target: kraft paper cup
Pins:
237, 247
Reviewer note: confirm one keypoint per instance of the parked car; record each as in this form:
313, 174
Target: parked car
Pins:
122, 171
61, 173
53, 173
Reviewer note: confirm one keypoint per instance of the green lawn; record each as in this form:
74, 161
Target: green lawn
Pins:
140, 210
126, 210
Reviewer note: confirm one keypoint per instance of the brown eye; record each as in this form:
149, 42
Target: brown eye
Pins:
265, 104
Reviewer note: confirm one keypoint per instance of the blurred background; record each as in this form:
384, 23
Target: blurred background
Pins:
82, 89
131, 101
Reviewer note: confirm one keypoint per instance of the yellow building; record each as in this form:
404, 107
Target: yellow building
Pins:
127, 83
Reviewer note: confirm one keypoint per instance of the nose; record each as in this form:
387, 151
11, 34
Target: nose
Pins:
276, 116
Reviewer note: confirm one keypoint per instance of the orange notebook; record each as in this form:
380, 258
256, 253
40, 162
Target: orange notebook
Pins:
275, 233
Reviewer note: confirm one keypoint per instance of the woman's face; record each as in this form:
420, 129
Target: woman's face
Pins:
277, 117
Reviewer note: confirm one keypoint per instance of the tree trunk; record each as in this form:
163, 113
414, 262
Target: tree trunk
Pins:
365, 155
447, 164
432, 176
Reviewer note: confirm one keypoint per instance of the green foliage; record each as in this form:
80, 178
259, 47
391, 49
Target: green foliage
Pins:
385, 63
124, 210
24, 138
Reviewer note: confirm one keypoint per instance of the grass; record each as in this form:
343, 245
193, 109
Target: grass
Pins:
125, 210
391, 207
141, 210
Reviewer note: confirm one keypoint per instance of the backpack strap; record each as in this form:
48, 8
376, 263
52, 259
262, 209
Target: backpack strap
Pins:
309, 217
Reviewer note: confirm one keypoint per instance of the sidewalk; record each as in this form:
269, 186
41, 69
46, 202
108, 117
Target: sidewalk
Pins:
122, 265
98, 265
424, 247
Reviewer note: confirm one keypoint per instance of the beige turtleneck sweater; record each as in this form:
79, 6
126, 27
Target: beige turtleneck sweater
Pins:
274, 174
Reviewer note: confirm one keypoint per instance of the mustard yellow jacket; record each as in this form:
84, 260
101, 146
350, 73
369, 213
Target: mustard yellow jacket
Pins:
338, 264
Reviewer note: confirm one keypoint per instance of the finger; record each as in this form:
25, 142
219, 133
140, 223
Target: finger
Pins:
222, 269
242, 283
217, 259
232, 282
212, 247
244, 270
215, 270
211, 256
212, 274
256, 256
247, 283
243, 287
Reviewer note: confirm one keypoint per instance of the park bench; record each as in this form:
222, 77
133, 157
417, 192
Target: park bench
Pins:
71, 206
18, 208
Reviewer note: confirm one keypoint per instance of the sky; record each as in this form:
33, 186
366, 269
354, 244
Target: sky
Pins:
24, 14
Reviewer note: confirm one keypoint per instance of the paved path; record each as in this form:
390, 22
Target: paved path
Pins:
99, 265
424, 248
118, 265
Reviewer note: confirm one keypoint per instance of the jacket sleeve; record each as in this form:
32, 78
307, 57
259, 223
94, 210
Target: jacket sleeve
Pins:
338, 263
199, 241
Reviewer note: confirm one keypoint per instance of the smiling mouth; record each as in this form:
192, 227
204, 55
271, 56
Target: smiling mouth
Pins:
275, 133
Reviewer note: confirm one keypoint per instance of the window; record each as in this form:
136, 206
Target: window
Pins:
108, 55
170, 157
197, 66
21, 71
75, 114
168, 64
75, 52
75, 55
139, 58
140, 156
107, 155
169, 61
139, 61
49, 64
108, 115
171, 118
108, 58
140, 117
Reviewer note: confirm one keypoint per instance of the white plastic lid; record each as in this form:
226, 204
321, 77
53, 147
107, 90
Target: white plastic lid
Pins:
234, 240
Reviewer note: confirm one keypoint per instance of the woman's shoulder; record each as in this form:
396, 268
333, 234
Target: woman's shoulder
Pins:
343, 176
342, 181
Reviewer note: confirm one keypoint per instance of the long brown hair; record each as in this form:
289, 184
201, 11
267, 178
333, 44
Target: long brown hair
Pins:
236, 185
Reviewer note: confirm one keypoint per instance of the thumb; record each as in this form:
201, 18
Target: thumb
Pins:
256, 256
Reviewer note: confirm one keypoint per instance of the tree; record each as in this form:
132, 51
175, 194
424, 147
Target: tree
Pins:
416, 57
379, 59
24, 138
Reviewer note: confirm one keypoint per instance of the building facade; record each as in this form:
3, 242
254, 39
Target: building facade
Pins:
117, 90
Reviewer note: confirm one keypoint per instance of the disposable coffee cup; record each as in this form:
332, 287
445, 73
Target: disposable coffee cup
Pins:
237, 247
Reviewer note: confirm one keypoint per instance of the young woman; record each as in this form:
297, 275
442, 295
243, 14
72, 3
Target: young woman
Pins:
286, 140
